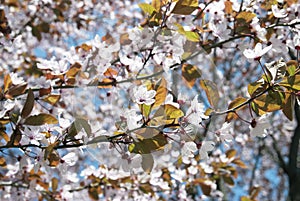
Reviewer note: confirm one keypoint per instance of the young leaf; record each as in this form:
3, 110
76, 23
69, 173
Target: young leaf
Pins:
211, 91
172, 112
246, 198
15, 137
98, 139
185, 7
147, 8
236, 102
40, 119
292, 82
267, 103
145, 109
205, 187
230, 153
52, 98
190, 73
77, 126
192, 36
54, 184
3, 135
50, 149
228, 7
149, 140
93, 193
255, 88
228, 180
7, 82
28, 106
288, 106
161, 92
246, 15
2, 161
156, 4
239, 163
16, 90
166, 114
53, 159
147, 162
291, 67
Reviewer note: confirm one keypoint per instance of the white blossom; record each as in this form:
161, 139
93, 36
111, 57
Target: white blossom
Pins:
195, 113
206, 147
259, 129
143, 96
257, 52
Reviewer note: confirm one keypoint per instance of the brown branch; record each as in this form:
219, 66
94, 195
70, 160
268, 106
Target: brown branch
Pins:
282, 163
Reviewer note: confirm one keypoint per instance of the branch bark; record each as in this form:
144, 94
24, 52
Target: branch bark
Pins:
293, 167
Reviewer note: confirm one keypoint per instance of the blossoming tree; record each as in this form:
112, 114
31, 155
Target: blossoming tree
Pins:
149, 100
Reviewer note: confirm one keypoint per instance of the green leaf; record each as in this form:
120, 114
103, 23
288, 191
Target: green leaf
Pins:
147, 162
147, 8
185, 7
211, 91
256, 109
28, 106
40, 119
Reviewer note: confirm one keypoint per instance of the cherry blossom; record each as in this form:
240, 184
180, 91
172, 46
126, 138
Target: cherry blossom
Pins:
92, 91
141, 95
7, 106
188, 149
206, 147
259, 127
195, 113
16, 79
225, 134
258, 51
278, 13
132, 118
